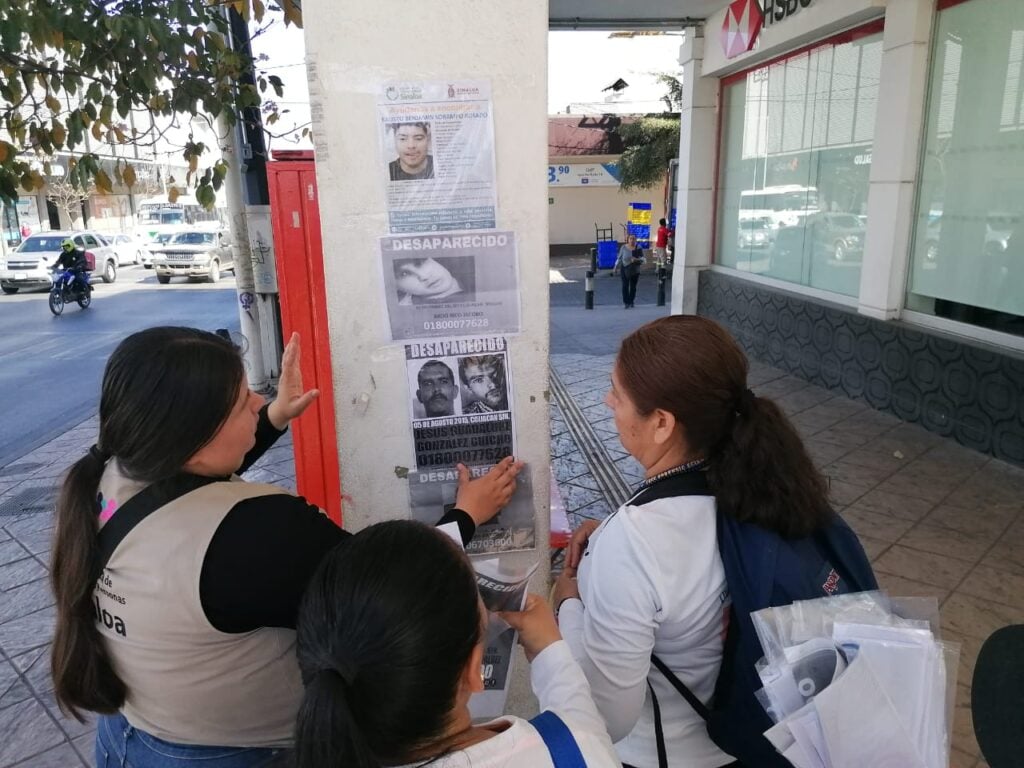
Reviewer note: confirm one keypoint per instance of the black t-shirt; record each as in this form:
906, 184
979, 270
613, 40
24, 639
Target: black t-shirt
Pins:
265, 551
397, 173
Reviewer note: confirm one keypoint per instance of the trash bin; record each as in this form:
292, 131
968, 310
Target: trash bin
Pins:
607, 252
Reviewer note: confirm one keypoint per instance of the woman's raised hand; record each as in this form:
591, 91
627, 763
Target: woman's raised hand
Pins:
536, 625
484, 497
291, 399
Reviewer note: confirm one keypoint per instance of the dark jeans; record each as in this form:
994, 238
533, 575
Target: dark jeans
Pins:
119, 745
628, 288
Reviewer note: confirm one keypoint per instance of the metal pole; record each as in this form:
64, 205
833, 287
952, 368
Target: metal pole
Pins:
248, 309
661, 286
588, 300
593, 260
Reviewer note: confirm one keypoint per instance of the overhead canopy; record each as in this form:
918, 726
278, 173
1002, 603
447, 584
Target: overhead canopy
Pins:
630, 14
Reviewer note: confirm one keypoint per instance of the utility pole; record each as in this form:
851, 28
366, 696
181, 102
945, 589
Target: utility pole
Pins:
248, 199
248, 308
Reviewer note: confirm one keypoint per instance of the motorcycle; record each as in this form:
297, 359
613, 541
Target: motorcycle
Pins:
65, 290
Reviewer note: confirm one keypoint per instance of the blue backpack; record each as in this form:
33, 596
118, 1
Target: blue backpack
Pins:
763, 570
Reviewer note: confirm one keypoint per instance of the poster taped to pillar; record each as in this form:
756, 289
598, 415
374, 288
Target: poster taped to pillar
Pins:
432, 494
500, 590
457, 284
460, 401
437, 146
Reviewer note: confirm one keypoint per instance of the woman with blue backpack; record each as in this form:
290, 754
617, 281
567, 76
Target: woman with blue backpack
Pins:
732, 516
391, 638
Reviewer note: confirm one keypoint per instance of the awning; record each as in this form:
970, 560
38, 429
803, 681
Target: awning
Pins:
630, 14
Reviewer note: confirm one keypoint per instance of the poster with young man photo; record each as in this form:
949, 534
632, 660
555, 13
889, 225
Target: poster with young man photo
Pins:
437, 155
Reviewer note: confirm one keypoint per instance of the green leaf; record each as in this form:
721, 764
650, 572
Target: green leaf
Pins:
278, 86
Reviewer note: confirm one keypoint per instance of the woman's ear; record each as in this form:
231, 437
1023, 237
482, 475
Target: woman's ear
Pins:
664, 426
473, 675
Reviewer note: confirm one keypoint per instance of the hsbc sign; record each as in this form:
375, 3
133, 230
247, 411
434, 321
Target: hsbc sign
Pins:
745, 18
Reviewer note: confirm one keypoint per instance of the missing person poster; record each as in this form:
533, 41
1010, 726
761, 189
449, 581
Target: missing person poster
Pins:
461, 401
432, 494
443, 285
437, 148
501, 590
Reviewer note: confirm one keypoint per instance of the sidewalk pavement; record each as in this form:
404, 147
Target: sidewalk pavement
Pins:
936, 519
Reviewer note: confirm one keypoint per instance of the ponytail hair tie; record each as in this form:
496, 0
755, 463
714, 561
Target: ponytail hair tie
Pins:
101, 456
341, 671
745, 404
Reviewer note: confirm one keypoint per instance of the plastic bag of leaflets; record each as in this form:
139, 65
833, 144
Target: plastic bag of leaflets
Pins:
858, 680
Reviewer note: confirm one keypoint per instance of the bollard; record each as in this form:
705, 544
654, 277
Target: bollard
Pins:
588, 301
661, 286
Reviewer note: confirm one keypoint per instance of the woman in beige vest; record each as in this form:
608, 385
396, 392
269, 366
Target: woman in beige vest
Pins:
176, 583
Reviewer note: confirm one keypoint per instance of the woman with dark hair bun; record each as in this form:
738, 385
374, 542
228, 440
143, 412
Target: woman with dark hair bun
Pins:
177, 584
390, 644
649, 579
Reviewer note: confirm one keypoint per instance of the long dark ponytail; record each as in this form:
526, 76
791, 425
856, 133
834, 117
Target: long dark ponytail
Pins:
386, 628
758, 467
166, 391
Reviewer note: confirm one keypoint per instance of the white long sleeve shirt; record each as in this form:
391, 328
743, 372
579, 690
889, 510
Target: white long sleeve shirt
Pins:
652, 580
560, 686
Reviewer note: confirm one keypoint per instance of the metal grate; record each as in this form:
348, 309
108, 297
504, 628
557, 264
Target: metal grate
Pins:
30, 501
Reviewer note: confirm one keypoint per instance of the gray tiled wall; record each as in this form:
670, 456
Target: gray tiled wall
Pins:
957, 389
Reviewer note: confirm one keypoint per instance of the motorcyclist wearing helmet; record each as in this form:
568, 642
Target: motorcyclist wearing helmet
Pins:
73, 258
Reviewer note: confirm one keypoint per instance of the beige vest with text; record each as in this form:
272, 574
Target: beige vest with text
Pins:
188, 682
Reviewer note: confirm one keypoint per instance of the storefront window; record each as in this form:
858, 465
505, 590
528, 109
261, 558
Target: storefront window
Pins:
967, 262
794, 165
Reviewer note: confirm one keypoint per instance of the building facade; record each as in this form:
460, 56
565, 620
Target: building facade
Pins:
584, 193
852, 201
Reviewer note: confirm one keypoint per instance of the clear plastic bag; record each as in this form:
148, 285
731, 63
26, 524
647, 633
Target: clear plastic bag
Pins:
856, 680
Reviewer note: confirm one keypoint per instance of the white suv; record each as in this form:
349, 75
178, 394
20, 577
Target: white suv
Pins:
193, 253
30, 264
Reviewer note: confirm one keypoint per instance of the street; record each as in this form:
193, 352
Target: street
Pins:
51, 367
568, 275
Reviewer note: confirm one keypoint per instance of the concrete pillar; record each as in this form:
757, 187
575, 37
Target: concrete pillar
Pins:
350, 53
695, 200
895, 154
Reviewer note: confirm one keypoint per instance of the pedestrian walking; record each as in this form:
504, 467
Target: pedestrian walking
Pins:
628, 264
661, 244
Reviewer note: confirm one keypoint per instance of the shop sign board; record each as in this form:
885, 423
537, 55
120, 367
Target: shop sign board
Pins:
744, 20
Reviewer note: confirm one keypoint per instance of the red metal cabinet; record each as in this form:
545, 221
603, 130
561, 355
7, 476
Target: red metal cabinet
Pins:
295, 214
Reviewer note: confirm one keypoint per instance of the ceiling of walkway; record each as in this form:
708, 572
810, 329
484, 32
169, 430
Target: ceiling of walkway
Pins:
630, 14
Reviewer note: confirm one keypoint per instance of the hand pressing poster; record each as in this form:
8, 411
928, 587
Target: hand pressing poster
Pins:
437, 151
461, 401
432, 494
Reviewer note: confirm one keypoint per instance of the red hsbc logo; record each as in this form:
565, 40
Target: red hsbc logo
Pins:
743, 19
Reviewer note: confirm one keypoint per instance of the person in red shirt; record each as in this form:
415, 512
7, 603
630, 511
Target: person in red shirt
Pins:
661, 243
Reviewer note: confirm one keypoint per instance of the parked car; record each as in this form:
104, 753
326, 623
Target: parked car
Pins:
128, 249
30, 264
838, 236
194, 254
754, 233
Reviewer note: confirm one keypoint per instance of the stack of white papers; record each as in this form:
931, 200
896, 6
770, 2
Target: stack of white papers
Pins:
872, 692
